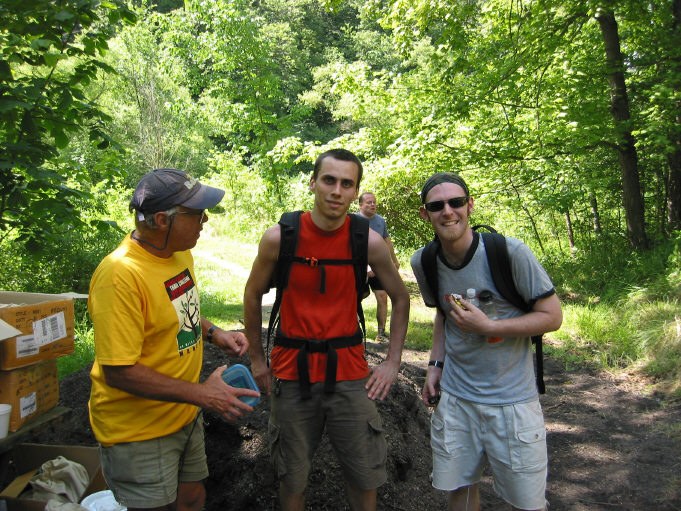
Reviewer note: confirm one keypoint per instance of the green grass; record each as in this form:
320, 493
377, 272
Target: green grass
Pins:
84, 345
222, 266
420, 331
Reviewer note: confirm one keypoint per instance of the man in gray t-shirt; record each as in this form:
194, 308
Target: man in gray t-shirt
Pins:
367, 209
481, 368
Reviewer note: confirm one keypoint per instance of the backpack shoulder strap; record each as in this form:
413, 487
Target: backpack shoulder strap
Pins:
359, 242
289, 224
429, 265
500, 266
486, 227
502, 275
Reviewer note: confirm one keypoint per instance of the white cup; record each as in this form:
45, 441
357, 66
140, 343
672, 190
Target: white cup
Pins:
5, 412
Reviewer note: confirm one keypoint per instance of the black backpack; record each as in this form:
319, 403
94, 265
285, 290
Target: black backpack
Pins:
500, 267
359, 241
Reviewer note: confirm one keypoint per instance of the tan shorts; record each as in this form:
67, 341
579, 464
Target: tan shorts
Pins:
351, 421
512, 439
146, 474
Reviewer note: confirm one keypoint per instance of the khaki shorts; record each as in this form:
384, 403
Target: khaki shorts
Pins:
146, 474
352, 423
512, 439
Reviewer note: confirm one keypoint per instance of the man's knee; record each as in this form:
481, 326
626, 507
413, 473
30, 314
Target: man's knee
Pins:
381, 296
466, 498
359, 499
291, 500
191, 496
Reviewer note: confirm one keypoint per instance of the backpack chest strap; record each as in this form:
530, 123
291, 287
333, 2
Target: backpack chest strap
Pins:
313, 262
306, 347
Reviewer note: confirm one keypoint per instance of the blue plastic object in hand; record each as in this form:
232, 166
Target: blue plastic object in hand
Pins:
239, 376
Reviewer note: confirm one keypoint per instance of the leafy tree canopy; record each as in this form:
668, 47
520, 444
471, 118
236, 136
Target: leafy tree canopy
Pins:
50, 53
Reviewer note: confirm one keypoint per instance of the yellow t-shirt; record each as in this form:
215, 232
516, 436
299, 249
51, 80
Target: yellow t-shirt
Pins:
144, 309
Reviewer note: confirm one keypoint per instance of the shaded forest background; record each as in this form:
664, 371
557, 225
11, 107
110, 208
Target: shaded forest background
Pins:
564, 116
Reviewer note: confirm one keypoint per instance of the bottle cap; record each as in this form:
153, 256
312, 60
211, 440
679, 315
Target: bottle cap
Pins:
238, 375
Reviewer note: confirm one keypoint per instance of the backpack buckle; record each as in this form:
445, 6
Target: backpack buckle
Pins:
313, 262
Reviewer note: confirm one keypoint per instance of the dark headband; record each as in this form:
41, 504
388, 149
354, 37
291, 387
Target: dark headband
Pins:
439, 178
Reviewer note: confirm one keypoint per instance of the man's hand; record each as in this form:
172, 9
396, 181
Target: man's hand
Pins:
430, 394
382, 378
468, 317
223, 399
234, 344
262, 375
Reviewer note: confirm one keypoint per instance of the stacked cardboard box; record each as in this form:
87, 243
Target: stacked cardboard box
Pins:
35, 329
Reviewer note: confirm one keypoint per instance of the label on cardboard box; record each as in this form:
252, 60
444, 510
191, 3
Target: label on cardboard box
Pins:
26, 346
31, 390
45, 331
45, 325
49, 329
28, 405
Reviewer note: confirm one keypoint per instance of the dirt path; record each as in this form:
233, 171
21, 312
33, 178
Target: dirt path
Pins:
611, 446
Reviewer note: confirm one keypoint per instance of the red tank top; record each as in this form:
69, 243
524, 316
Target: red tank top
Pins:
307, 313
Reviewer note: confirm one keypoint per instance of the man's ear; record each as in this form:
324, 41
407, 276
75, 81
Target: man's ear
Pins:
471, 205
424, 214
162, 220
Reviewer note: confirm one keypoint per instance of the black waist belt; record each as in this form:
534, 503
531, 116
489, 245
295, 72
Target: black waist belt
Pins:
328, 346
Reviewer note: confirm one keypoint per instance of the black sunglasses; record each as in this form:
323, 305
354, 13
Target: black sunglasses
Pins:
439, 205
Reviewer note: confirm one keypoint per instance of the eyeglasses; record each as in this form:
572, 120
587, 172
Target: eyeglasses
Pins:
439, 205
199, 212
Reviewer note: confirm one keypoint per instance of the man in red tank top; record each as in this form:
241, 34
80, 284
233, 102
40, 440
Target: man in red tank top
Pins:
317, 314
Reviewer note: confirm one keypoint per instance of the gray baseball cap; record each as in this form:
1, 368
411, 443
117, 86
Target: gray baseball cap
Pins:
162, 189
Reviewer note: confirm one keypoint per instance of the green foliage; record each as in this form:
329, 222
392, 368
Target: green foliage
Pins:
49, 54
630, 318
84, 345
71, 261
68, 262
607, 268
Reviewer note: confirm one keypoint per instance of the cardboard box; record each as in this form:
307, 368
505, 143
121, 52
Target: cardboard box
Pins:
31, 391
28, 458
45, 323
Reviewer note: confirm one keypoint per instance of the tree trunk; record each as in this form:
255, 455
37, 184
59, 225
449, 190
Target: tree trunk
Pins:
674, 176
595, 215
570, 232
674, 187
628, 157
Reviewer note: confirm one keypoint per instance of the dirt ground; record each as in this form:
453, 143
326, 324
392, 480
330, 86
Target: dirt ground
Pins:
612, 446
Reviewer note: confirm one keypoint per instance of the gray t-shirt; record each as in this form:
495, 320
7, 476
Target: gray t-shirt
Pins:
378, 224
489, 373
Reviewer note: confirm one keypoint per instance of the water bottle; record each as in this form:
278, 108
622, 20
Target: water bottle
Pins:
489, 308
471, 297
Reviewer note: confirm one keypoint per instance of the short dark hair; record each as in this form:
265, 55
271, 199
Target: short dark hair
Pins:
339, 154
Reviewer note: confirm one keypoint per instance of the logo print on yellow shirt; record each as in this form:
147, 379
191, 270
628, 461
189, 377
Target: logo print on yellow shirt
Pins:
185, 298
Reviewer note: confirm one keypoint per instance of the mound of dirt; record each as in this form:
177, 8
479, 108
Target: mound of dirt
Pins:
611, 447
